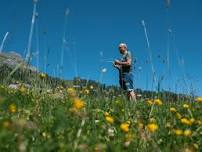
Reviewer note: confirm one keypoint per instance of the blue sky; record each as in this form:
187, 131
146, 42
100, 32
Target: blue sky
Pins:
95, 26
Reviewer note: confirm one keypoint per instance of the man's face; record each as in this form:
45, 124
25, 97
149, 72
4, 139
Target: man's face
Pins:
122, 49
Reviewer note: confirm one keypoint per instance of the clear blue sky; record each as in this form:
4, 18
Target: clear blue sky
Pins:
95, 26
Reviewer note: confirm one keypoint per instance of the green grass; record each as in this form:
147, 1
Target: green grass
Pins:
33, 120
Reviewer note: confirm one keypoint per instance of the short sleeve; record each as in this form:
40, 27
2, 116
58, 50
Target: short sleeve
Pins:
129, 56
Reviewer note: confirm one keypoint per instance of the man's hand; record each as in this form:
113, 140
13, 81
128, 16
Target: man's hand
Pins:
117, 62
116, 66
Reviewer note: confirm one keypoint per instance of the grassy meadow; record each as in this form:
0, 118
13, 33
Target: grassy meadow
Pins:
88, 119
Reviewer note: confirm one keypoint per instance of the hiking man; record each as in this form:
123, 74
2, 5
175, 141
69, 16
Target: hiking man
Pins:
125, 67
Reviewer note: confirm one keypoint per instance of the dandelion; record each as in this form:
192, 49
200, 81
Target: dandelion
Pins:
178, 115
42, 75
172, 109
192, 120
71, 92
186, 106
22, 89
149, 102
106, 114
152, 127
158, 102
12, 108
109, 119
6, 124
199, 99
186, 121
187, 132
78, 104
178, 132
124, 127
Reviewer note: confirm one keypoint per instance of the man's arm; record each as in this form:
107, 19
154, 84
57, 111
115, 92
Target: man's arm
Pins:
127, 63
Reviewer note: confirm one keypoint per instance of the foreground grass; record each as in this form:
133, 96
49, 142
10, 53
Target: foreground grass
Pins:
82, 120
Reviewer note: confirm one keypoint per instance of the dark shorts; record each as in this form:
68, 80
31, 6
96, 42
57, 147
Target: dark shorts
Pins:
126, 81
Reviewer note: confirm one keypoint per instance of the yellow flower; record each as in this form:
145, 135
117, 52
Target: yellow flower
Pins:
78, 104
12, 108
6, 124
124, 127
199, 99
178, 132
106, 114
42, 75
186, 106
158, 102
178, 115
152, 127
149, 102
172, 109
22, 89
109, 119
187, 132
71, 92
186, 121
192, 120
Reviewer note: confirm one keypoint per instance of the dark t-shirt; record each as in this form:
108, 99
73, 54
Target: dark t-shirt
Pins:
126, 68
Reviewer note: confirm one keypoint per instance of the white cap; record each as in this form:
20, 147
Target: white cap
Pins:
122, 45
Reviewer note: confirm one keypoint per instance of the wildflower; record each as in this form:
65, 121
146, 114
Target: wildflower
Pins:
6, 124
71, 92
178, 115
78, 104
12, 108
111, 132
109, 119
192, 120
199, 122
158, 102
106, 114
42, 75
124, 127
86, 91
187, 132
186, 121
149, 102
186, 106
172, 109
22, 89
152, 127
199, 99
178, 132
91, 87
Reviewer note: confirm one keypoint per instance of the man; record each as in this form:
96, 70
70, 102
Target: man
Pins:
125, 68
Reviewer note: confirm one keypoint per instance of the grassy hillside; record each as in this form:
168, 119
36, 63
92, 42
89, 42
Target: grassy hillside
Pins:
48, 114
